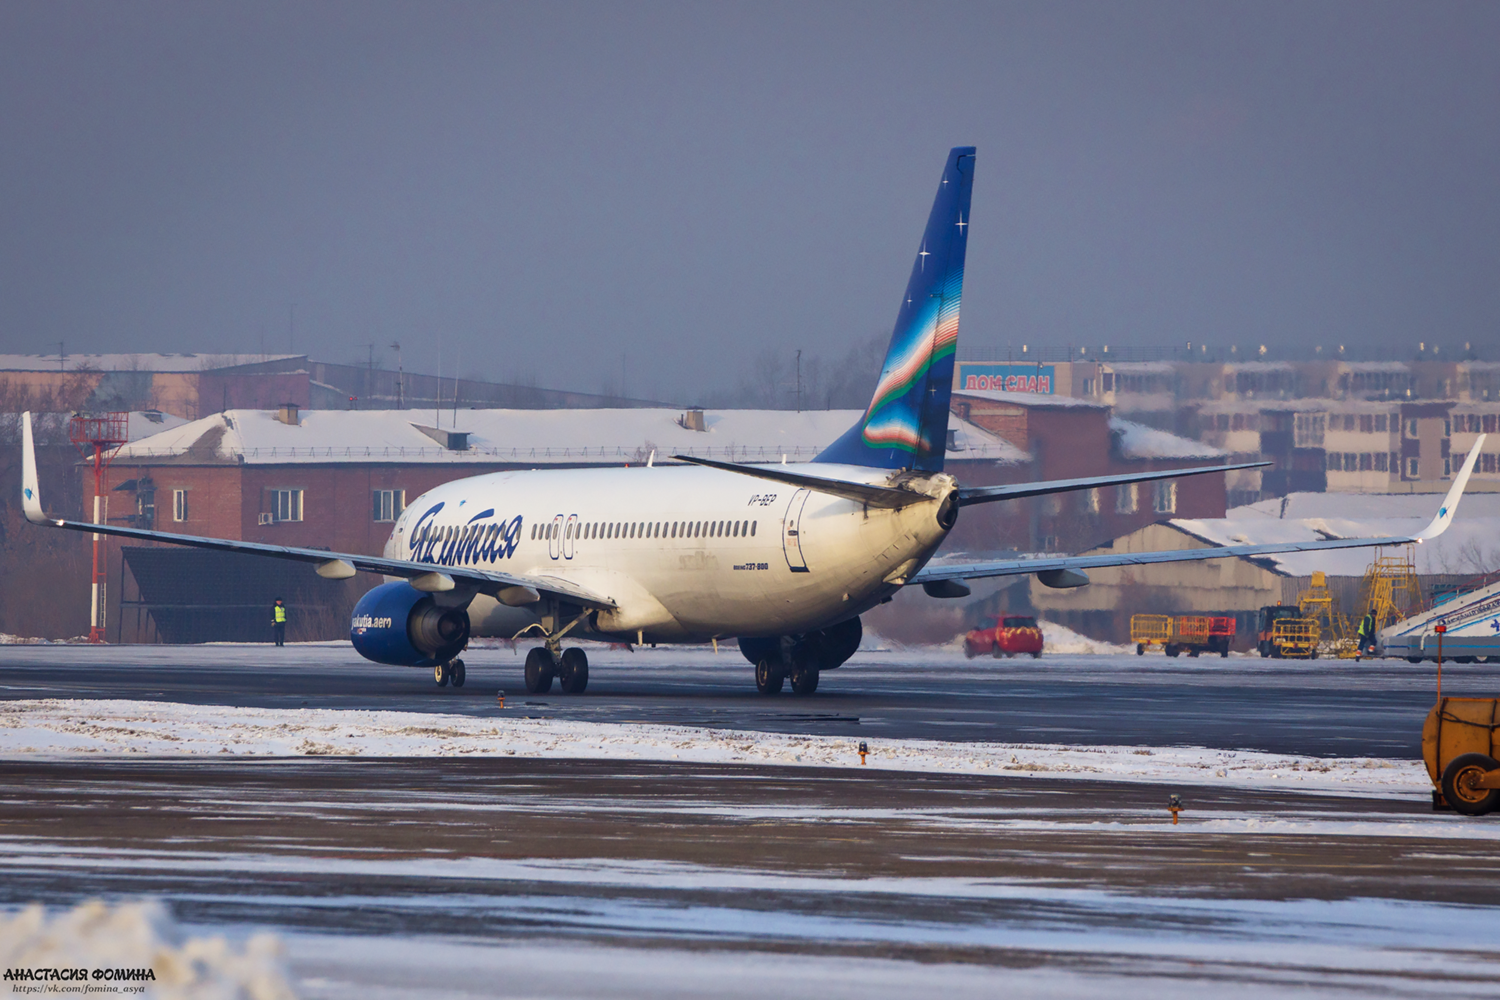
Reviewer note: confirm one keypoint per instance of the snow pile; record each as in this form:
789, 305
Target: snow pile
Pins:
55, 727
96, 936
1061, 639
6, 639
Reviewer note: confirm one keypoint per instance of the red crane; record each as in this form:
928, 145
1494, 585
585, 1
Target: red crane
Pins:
103, 433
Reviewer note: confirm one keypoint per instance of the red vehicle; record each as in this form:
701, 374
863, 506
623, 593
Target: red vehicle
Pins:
1013, 634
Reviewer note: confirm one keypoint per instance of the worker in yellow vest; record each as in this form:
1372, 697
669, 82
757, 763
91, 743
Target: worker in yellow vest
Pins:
278, 621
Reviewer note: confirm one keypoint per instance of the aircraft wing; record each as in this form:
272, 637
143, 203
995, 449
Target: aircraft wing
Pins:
1059, 567
968, 495
334, 565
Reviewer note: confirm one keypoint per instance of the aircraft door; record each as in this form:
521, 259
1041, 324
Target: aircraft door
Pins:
791, 532
569, 534
554, 537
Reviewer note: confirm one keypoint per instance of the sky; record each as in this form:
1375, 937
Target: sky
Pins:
658, 198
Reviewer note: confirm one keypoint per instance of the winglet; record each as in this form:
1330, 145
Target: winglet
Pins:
1455, 493
31, 493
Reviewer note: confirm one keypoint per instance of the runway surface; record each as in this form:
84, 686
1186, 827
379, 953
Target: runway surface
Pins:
468, 876
1087, 886
1324, 708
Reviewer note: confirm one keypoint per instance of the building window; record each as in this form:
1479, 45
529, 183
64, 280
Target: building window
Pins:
1395, 462
1126, 498
1486, 463
1490, 421
1380, 465
1090, 501
1309, 429
1411, 467
1447, 427
179, 505
1411, 429
286, 505
1164, 498
1380, 423
387, 505
1348, 421
1447, 466
1366, 461
1334, 462
1351, 462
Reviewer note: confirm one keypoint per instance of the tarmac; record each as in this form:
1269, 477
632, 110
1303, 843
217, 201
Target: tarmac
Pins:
480, 876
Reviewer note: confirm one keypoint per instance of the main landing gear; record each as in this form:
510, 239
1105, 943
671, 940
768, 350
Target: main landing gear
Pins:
771, 674
452, 670
570, 667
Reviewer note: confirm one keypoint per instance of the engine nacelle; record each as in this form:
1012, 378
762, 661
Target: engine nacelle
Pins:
821, 649
398, 624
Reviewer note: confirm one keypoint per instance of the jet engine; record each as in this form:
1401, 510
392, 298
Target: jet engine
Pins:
820, 649
398, 624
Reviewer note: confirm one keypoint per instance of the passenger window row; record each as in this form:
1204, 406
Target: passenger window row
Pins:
646, 529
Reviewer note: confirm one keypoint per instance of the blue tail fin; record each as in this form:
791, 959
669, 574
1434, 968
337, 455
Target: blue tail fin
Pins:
906, 425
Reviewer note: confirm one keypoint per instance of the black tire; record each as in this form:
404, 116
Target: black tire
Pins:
1172, 650
1465, 659
1224, 653
769, 677
1413, 659
1469, 801
538, 670
1037, 655
456, 671
1194, 653
1140, 649
573, 672
804, 680
440, 674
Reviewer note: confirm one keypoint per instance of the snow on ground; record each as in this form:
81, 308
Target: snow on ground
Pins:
63, 727
94, 935
6, 639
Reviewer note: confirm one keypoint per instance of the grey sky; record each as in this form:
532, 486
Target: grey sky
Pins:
546, 189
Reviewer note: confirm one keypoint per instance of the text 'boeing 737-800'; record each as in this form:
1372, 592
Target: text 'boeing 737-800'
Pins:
784, 558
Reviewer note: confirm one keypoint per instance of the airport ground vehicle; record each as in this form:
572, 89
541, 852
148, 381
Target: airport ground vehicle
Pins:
1191, 634
1460, 744
1283, 631
1011, 635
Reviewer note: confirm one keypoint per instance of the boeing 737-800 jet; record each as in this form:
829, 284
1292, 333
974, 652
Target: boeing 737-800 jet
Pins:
784, 558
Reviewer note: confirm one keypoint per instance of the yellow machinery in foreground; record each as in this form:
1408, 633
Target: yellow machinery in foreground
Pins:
1460, 742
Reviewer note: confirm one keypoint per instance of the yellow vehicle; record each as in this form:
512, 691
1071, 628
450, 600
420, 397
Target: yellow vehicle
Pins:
1295, 638
1460, 742
1150, 630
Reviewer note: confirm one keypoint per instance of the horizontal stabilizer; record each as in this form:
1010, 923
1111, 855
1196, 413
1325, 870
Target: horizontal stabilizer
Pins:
989, 494
873, 496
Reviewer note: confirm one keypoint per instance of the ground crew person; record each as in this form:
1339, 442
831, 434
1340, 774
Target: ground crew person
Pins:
1366, 638
278, 621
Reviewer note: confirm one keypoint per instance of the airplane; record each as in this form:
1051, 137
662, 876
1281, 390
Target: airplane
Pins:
783, 558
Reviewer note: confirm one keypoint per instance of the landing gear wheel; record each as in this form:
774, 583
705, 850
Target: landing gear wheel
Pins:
768, 676
456, 671
440, 674
573, 672
1458, 784
538, 670
804, 680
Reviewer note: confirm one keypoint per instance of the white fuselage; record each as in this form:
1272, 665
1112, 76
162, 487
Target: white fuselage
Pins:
686, 553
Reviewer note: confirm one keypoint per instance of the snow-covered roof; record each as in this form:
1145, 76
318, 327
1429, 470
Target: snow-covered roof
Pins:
1034, 399
133, 362
1470, 545
532, 437
1365, 506
1140, 441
